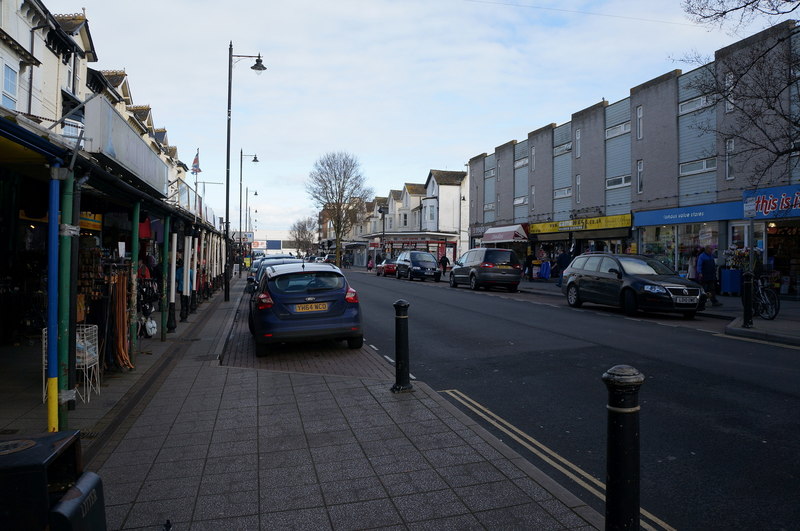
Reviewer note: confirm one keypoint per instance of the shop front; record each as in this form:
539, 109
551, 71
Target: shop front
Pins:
675, 235
514, 237
602, 233
776, 211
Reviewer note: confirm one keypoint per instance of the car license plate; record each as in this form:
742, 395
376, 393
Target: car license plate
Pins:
685, 300
502, 266
314, 307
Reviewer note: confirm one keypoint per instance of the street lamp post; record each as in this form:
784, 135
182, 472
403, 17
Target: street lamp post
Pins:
258, 67
241, 239
248, 222
382, 210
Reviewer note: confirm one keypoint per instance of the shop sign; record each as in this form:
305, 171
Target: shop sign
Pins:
575, 225
91, 221
776, 202
690, 214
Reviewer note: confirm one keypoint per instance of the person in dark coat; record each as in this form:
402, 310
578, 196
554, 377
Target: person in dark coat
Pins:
562, 262
707, 274
444, 262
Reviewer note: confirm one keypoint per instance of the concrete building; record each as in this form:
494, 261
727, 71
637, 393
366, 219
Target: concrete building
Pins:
663, 171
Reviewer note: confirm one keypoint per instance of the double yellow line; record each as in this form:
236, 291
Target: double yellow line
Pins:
571, 470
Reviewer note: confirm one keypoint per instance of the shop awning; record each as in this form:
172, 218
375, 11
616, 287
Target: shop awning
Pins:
509, 233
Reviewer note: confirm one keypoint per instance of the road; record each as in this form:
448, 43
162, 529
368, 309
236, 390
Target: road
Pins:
719, 419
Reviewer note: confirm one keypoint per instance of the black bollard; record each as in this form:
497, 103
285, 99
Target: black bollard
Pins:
171, 324
622, 456
402, 380
747, 300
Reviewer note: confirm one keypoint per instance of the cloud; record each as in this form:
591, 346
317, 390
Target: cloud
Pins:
405, 85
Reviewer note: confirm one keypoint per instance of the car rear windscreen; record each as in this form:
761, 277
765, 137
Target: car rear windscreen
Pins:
306, 282
501, 256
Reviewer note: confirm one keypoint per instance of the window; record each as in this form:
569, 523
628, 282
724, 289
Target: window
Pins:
694, 104
520, 163
561, 193
489, 174
639, 119
729, 159
533, 158
618, 182
405, 220
390, 223
577, 188
698, 166
68, 75
521, 200
639, 176
487, 207
431, 213
617, 130
729, 92
577, 143
533, 197
9, 88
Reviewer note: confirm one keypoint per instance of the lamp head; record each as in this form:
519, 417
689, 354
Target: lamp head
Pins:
255, 193
259, 66
255, 158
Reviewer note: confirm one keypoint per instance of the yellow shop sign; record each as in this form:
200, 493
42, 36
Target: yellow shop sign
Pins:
574, 225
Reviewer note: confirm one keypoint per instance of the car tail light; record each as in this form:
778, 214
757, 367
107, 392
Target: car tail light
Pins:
487, 264
264, 301
351, 295
517, 266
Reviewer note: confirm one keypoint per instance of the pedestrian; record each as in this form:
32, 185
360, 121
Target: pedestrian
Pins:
529, 267
691, 274
370, 264
707, 274
562, 262
444, 262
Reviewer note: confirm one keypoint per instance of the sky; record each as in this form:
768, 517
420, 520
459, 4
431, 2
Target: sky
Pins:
406, 86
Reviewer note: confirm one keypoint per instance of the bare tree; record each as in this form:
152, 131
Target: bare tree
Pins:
755, 84
336, 186
304, 232
737, 13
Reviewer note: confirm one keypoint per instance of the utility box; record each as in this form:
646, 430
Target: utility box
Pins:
36, 472
82, 508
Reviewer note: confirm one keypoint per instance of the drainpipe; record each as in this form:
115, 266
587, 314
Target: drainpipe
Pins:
73, 280
52, 300
66, 234
132, 314
30, 77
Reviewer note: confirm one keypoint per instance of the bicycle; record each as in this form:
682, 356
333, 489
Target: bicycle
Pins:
766, 303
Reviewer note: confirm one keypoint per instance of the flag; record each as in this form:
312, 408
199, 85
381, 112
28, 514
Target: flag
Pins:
196, 163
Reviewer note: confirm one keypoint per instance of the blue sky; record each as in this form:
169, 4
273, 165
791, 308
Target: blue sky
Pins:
404, 85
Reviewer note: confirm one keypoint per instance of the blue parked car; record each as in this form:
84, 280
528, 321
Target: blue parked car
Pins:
304, 302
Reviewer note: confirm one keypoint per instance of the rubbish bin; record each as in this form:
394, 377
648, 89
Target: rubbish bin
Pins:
37, 472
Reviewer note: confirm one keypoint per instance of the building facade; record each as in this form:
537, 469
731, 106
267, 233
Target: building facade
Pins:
668, 169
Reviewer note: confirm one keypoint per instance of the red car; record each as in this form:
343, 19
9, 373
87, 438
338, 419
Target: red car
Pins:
387, 267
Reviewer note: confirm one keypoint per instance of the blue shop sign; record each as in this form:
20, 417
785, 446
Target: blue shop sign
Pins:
690, 214
775, 202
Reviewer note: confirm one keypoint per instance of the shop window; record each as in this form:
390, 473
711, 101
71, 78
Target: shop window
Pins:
9, 88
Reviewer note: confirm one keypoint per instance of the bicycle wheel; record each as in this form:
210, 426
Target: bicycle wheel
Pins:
769, 305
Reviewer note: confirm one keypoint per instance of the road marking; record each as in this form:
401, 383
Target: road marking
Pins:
373, 347
569, 469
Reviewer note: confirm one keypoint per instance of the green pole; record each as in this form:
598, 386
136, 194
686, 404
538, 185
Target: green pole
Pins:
64, 261
134, 282
165, 250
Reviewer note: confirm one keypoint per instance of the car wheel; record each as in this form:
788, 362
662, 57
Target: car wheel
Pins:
473, 283
262, 349
250, 324
573, 299
355, 342
629, 302
453, 283
513, 288
378, 272
397, 274
689, 315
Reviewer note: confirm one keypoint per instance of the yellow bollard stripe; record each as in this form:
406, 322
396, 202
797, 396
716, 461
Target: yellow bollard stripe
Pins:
52, 404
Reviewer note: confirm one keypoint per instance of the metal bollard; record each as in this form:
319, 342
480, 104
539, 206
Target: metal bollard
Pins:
622, 456
402, 380
747, 300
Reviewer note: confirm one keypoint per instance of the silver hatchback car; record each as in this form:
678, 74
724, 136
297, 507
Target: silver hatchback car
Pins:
484, 267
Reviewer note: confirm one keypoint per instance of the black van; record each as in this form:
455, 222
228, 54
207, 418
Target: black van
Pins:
418, 264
